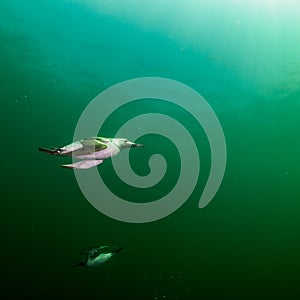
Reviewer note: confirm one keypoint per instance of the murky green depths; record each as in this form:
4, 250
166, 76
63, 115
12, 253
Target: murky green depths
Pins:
243, 57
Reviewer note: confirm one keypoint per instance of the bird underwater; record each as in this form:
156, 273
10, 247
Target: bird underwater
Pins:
95, 256
91, 151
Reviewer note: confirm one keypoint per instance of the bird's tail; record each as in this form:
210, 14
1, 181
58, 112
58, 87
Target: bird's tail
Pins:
52, 151
80, 264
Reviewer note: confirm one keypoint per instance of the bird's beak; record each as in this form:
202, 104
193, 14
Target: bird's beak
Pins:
137, 145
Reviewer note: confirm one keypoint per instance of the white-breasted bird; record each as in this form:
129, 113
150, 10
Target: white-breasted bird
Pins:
91, 151
96, 255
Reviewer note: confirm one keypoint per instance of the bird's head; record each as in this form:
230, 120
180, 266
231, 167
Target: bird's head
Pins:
124, 143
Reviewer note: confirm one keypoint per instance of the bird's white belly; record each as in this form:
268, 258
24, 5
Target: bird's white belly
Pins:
103, 154
102, 258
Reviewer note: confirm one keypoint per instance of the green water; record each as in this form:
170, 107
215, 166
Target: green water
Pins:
243, 57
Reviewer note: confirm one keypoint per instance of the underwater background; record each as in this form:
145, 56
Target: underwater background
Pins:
243, 57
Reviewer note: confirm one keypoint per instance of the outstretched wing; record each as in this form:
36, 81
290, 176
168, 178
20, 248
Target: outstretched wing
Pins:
84, 164
95, 249
90, 146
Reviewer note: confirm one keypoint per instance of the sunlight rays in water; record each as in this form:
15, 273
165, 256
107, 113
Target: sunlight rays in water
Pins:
256, 39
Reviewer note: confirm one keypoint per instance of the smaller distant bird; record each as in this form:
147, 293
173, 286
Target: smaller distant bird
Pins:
95, 256
91, 151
